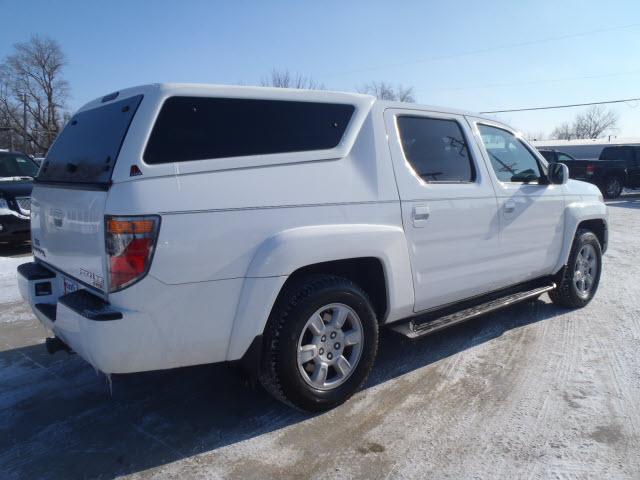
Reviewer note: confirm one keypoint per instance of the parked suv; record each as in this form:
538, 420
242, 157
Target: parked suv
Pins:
16, 175
279, 229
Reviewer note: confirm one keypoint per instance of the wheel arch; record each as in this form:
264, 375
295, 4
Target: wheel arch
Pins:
373, 256
599, 227
366, 272
616, 172
591, 215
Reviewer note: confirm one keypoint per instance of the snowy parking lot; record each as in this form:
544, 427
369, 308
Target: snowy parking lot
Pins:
533, 391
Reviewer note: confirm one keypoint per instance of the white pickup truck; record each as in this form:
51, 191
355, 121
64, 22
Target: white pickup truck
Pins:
279, 229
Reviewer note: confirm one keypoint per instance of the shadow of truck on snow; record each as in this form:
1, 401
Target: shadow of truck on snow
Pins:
59, 419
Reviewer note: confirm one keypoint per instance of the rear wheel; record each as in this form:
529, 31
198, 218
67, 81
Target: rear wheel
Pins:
612, 187
321, 342
579, 279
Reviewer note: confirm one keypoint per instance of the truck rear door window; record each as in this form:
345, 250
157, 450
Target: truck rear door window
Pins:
198, 128
436, 149
87, 148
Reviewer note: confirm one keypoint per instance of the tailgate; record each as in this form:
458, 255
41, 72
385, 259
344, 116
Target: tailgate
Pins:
578, 169
67, 232
70, 192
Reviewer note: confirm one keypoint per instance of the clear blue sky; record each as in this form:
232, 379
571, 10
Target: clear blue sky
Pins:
446, 50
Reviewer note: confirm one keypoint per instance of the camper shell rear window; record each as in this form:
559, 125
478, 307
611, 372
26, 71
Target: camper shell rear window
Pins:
199, 128
87, 148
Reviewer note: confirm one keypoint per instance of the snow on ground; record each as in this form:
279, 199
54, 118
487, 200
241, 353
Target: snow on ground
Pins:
8, 280
533, 391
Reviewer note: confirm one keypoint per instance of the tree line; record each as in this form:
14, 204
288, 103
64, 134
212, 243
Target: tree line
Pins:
594, 122
34, 94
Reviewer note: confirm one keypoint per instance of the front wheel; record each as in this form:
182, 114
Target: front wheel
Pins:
320, 344
579, 279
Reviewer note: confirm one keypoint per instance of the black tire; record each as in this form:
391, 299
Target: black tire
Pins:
612, 187
566, 294
280, 374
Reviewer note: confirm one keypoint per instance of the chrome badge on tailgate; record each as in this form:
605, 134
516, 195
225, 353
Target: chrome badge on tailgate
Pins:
92, 279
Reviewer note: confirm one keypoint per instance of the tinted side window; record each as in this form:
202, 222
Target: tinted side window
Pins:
198, 128
564, 158
436, 149
617, 153
510, 159
549, 155
14, 165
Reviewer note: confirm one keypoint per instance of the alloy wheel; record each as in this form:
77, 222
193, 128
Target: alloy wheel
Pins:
585, 270
330, 346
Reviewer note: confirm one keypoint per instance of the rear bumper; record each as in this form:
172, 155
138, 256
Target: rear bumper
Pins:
111, 340
14, 228
149, 326
85, 322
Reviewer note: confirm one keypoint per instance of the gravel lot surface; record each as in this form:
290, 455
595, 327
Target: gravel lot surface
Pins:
533, 391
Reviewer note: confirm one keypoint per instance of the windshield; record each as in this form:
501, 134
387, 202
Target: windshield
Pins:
16, 165
87, 149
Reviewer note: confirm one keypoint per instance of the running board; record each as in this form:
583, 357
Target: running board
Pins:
415, 328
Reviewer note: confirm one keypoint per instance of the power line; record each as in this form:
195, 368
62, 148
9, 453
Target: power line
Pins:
563, 106
487, 50
535, 82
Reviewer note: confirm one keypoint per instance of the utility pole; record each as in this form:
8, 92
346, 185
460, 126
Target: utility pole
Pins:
24, 123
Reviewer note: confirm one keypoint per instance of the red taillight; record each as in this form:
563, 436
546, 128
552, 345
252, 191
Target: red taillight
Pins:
130, 242
590, 169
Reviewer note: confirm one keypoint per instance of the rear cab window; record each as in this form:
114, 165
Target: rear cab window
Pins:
86, 150
200, 128
436, 149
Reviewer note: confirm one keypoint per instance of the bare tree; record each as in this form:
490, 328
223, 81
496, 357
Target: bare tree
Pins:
405, 94
380, 90
385, 91
594, 122
284, 79
31, 79
563, 131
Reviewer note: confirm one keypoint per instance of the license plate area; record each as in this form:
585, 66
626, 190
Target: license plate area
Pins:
69, 285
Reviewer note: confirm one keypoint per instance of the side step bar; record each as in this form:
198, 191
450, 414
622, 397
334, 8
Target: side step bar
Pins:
415, 328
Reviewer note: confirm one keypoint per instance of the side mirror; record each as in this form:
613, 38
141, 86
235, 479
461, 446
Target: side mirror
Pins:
558, 173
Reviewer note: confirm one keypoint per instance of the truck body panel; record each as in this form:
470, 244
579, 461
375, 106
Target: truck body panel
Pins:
224, 235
